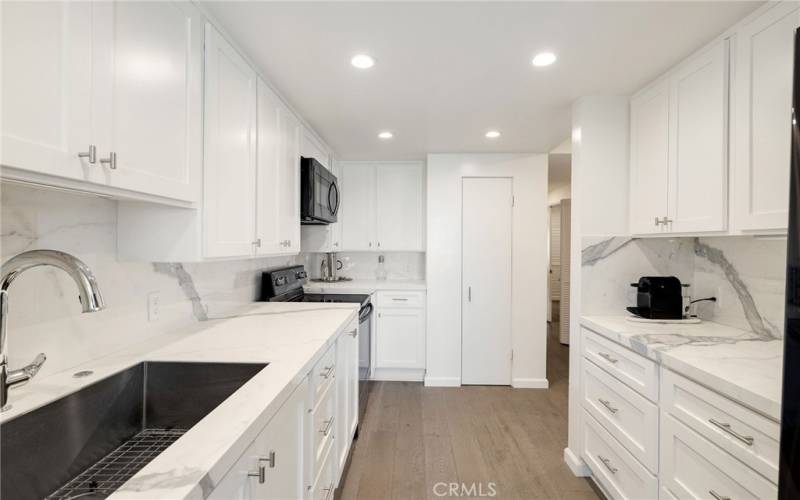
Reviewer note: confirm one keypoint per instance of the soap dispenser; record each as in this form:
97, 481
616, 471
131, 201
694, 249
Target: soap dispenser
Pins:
380, 271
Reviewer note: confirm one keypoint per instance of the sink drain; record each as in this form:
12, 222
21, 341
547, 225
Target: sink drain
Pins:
82, 373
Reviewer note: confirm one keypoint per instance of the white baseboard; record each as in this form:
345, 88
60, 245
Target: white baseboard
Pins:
398, 375
530, 383
575, 464
442, 382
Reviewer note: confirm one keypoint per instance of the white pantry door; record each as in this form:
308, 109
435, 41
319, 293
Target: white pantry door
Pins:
486, 281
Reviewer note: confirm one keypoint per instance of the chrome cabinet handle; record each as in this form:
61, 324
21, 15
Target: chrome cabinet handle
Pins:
261, 474
726, 427
607, 404
328, 425
608, 357
399, 299
717, 496
91, 155
270, 459
469, 293
111, 160
658, 221
607, 463
327, 372
329, 490
257, 243
370, 244
354, 333
336, 244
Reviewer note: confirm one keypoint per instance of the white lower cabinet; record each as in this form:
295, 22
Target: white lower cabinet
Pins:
298, 454
681, 441
400, 336
346, 392
692, 467
272, 466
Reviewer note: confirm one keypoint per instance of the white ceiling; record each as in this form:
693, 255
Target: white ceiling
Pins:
447, 72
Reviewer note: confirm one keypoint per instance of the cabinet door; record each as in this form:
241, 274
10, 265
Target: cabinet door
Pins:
346, 392
148, 66
289, 181
649, 158
698, 163
284, 437
399, 206
46, 92
400, 338
230, 154
358, 206
267, 174
763, 107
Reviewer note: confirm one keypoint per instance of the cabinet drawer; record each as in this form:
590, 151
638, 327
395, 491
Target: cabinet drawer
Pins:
628, 416
622, 476
401, 299
638, 372
693, 467
747, 435
323, 421
322, 375
326, 479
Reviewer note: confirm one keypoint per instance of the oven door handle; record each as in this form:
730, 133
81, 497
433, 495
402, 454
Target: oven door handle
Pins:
364, 313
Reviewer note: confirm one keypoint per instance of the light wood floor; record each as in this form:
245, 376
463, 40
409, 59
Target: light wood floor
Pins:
414, 437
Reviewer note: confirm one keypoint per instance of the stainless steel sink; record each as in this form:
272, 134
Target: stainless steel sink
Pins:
87, 444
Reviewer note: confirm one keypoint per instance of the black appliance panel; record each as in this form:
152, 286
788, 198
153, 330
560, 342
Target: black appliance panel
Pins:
319, 195
658, 297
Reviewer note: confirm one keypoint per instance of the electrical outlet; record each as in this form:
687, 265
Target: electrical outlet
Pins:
153, 306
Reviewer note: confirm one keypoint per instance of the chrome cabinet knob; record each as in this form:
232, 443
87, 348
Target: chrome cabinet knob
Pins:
91, 155
111, 161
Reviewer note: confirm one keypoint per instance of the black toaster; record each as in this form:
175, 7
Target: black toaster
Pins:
658, 297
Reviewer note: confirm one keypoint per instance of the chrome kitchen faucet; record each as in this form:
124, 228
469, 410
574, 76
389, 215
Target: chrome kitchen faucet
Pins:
88, 292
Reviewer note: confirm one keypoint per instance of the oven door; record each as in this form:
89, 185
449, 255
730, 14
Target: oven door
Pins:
320, 196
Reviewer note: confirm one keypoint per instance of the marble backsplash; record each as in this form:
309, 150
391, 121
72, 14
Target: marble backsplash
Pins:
362, 265
745, 273
44, 315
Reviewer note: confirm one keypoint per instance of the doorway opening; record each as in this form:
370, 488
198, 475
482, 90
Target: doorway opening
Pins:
559, 211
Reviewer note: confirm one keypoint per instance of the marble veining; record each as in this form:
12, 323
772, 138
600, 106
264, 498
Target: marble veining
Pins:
745, 273
186, 283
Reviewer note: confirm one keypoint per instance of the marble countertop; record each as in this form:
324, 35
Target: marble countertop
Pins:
742, 365
291, 337
363, 286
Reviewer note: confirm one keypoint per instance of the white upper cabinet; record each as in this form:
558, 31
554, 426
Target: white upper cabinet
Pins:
698, 166
267, 174
357, 209
289, 183
762, 106
230, 150
678, 161
399, 206
649, 159
149, 101
46, 92
382, 206
120, 82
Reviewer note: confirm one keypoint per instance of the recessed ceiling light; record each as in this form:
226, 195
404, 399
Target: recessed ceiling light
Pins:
544, 59
386, 135
362, 61
493, 134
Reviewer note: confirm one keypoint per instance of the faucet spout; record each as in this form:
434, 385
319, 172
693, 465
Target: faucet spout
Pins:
88, 292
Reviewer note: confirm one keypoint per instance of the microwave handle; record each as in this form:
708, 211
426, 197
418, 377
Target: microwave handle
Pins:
331, 188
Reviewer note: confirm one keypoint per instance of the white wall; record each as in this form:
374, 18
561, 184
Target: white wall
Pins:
529, 262
599, 207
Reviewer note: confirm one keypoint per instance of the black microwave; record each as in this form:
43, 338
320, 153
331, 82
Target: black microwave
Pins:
319, 193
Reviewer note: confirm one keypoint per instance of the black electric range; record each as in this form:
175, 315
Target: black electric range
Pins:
286, 285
